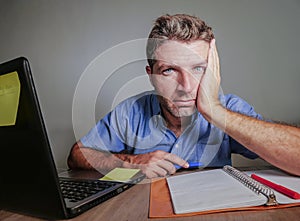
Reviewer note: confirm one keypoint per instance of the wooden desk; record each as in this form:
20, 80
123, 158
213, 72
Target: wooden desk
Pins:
133, 205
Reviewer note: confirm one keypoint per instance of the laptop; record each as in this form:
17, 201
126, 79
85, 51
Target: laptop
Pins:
29, 182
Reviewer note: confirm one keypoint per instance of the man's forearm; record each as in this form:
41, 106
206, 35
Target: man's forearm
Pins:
152, 164
87, 158
275, 143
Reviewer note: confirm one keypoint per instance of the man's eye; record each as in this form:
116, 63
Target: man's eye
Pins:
199, 69
168, 71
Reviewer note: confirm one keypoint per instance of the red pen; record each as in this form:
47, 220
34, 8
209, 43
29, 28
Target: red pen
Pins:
278, 188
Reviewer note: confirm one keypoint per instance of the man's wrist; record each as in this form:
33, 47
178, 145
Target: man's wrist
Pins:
125, 160
216, 115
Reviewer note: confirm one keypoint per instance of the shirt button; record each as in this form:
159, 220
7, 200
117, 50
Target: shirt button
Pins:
176, 145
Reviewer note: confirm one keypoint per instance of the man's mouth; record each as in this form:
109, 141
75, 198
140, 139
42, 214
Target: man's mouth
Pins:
184, 103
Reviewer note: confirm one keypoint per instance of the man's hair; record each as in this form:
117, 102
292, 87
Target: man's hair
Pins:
179, 27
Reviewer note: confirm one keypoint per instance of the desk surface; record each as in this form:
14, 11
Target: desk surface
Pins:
133, 205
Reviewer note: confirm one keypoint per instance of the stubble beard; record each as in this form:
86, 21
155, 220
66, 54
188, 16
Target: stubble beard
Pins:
175, 111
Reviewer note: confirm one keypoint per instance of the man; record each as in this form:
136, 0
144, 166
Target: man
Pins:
185, 118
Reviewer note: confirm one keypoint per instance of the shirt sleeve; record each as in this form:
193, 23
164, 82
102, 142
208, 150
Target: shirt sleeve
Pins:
103, 136
108, 133
124, 127
238, 105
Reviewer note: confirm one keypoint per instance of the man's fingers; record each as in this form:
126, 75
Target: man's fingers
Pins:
214, 60
154, 170
159, 163
167, 166
176, 160
160, 171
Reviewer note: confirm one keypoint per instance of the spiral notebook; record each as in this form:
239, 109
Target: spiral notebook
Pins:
223, 188
219, 190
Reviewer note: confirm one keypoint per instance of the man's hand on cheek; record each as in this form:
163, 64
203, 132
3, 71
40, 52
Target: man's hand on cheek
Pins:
208, 91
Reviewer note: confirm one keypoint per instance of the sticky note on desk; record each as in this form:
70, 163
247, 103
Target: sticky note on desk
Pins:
120, 174
9, 98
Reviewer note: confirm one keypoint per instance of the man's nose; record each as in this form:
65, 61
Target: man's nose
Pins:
186, 81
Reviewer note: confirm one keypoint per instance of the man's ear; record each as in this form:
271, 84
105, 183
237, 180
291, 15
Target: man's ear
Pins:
149, 72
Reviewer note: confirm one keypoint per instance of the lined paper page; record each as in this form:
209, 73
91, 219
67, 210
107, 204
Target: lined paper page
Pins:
210, 190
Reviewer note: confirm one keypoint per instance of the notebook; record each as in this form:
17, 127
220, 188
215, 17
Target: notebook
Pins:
29, 183
228, 189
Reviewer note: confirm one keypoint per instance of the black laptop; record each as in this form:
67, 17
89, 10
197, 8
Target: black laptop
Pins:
29, 183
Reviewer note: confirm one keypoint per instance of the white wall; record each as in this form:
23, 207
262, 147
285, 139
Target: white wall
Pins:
257, 41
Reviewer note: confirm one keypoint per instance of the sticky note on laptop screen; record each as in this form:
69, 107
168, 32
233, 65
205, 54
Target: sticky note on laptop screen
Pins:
120, 174
9, 98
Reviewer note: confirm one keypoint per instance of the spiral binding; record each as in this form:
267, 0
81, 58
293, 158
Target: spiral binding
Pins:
252, 184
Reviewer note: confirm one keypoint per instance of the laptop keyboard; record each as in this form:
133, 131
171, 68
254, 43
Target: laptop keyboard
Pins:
75, 191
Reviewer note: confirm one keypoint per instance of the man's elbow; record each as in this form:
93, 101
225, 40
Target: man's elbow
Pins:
73, 157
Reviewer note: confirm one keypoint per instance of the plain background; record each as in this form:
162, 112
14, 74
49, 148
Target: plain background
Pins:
258, 43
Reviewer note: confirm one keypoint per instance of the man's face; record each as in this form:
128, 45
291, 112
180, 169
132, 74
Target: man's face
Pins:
176, 74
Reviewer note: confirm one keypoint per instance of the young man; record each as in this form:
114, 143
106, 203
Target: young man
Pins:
185, 118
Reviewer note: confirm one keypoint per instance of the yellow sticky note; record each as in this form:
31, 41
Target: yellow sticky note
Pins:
120, 174
9, 98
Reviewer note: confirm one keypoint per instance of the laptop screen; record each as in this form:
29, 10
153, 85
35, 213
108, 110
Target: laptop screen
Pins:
28, 180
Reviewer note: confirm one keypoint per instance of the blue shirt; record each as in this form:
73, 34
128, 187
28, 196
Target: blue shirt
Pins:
136, 126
